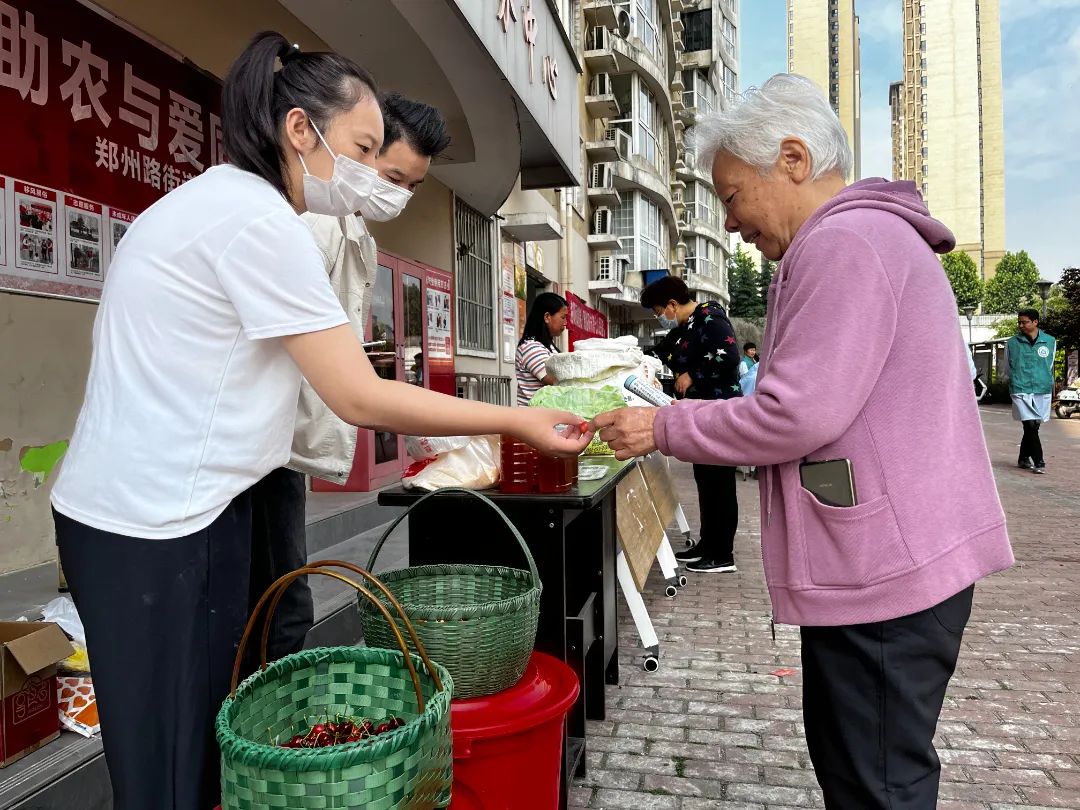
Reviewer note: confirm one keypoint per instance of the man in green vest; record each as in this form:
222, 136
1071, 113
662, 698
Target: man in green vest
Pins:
1030, 360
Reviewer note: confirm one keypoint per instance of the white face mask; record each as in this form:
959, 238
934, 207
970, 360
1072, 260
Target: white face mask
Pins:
386, 202
350, 185
666, 322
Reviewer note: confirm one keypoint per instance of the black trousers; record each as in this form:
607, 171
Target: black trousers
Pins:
872, 694
163, 620
1031, 444
278, 546
718, 505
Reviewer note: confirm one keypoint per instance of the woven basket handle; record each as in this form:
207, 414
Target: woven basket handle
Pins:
458, 491
356, 569
284, 581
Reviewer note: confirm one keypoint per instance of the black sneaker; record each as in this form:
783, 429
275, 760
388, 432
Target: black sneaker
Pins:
713, 566
1039, 469
1025, 464
690, 555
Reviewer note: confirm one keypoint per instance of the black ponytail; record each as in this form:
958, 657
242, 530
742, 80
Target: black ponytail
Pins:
536, 328
257, 97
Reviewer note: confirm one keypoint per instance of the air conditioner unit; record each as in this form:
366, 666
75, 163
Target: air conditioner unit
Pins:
603, 222
601, 176
601, 85
599, 38
623, 144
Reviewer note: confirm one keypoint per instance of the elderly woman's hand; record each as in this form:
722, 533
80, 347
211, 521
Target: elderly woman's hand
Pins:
627, 431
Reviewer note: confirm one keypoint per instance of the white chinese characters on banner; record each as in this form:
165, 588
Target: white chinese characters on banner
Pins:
24, 56
141, 97
82, 81
185, 120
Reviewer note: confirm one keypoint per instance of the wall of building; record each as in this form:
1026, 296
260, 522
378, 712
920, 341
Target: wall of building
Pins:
425, 232
953, 121
850, 111
993, 146
808, 52
43, 383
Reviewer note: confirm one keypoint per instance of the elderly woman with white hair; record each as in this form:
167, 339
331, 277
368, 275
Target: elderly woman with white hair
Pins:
875, 556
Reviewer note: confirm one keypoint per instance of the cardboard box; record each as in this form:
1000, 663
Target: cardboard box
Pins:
29, 652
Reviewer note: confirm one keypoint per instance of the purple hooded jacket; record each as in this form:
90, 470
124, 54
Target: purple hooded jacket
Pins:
861, 320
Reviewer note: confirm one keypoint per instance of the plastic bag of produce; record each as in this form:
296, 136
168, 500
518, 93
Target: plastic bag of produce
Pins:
472, 465
586, 403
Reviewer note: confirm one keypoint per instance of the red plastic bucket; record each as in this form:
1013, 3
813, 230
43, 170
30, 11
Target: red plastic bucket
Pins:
508, 747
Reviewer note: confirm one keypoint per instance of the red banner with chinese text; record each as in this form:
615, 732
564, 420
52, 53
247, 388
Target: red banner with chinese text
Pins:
104, 123
584, 321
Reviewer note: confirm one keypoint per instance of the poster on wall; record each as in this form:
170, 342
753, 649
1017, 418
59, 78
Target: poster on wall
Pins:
438, 325
509, 342
119, 222
96, 116
519, 270
3, 221
35, 219
507, 257
84, 238
440, 336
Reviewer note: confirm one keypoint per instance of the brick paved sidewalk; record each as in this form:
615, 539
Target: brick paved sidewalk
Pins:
715, 729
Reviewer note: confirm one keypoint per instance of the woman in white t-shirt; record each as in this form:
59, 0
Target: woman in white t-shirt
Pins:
216, 302
546, 321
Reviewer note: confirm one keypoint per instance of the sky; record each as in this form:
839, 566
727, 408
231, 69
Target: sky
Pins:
1040, 74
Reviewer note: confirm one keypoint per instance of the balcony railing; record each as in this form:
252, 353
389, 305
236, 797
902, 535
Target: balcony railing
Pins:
701, 103
703, 268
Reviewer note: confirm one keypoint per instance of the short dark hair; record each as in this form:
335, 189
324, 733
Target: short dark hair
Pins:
256, 97
667, 288
420, 125
747, 346
1030, 314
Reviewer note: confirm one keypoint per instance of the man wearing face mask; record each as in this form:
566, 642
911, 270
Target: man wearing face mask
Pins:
324, 445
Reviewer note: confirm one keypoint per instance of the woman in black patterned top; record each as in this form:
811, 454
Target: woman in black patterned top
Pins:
702, 351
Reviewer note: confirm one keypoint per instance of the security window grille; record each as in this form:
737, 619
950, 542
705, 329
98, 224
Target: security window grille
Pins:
475, 280
698, 32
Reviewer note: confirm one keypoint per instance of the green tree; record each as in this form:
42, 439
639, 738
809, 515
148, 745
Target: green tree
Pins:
743, 285
768, 268
963, 275
1063, 310
1013, 287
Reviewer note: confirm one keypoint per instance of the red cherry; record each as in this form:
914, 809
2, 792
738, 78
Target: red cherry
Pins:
354, 737
296, 741
318, 728
382, 728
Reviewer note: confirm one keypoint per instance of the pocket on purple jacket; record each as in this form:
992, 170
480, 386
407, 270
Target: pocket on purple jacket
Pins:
852, 546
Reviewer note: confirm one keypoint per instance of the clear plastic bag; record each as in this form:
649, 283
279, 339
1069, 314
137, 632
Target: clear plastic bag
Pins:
473, 465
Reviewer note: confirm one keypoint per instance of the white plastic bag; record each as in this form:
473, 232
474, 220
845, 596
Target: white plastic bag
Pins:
422, 447
595, 359
62, 611
472, 466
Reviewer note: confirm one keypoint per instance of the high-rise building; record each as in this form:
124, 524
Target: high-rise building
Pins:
947, 120
651, 68
823, 45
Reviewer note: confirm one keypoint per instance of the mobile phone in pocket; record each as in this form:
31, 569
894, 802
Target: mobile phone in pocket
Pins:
831, 482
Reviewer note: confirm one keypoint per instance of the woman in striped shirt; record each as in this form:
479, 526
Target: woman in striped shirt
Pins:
546, 321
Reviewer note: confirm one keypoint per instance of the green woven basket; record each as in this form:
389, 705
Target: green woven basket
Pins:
478, 621
409, 768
